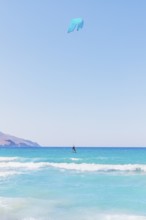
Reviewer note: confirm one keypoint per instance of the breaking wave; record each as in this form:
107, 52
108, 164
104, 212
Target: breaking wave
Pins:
100, 167
121, 217
74, 166
25, 165
8, 159
75, 159
14, 165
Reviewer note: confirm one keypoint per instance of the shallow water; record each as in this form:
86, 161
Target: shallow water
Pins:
55, 183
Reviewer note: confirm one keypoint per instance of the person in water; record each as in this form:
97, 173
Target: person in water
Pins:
74, 149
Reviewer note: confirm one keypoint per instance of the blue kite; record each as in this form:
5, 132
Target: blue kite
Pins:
76, 23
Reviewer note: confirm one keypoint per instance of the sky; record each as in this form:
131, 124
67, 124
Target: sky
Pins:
86, 88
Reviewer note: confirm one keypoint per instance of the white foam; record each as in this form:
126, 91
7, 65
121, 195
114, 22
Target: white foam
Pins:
8, 168
30, 218
8, 159
75, 159
21, 165
122, 217
89, 167
100, 167
112, 217
94, 216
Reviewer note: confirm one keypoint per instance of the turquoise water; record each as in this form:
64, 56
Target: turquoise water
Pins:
55, 183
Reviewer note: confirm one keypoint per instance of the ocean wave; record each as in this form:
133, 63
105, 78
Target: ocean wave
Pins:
100, 167
11, 168
75, 159
21, 165
95, 216
117, 217
8, 159
82, 167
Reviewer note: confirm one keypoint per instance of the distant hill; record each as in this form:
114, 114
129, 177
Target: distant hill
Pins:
9, 140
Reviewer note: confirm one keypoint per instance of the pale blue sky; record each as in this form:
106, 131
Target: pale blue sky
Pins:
86, 88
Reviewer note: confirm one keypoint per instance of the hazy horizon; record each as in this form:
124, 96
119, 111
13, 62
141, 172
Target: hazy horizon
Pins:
86, 88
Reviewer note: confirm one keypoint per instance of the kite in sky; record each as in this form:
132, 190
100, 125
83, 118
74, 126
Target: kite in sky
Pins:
76, 23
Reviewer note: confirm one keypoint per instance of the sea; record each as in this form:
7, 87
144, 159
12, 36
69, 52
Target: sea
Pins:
54, 183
